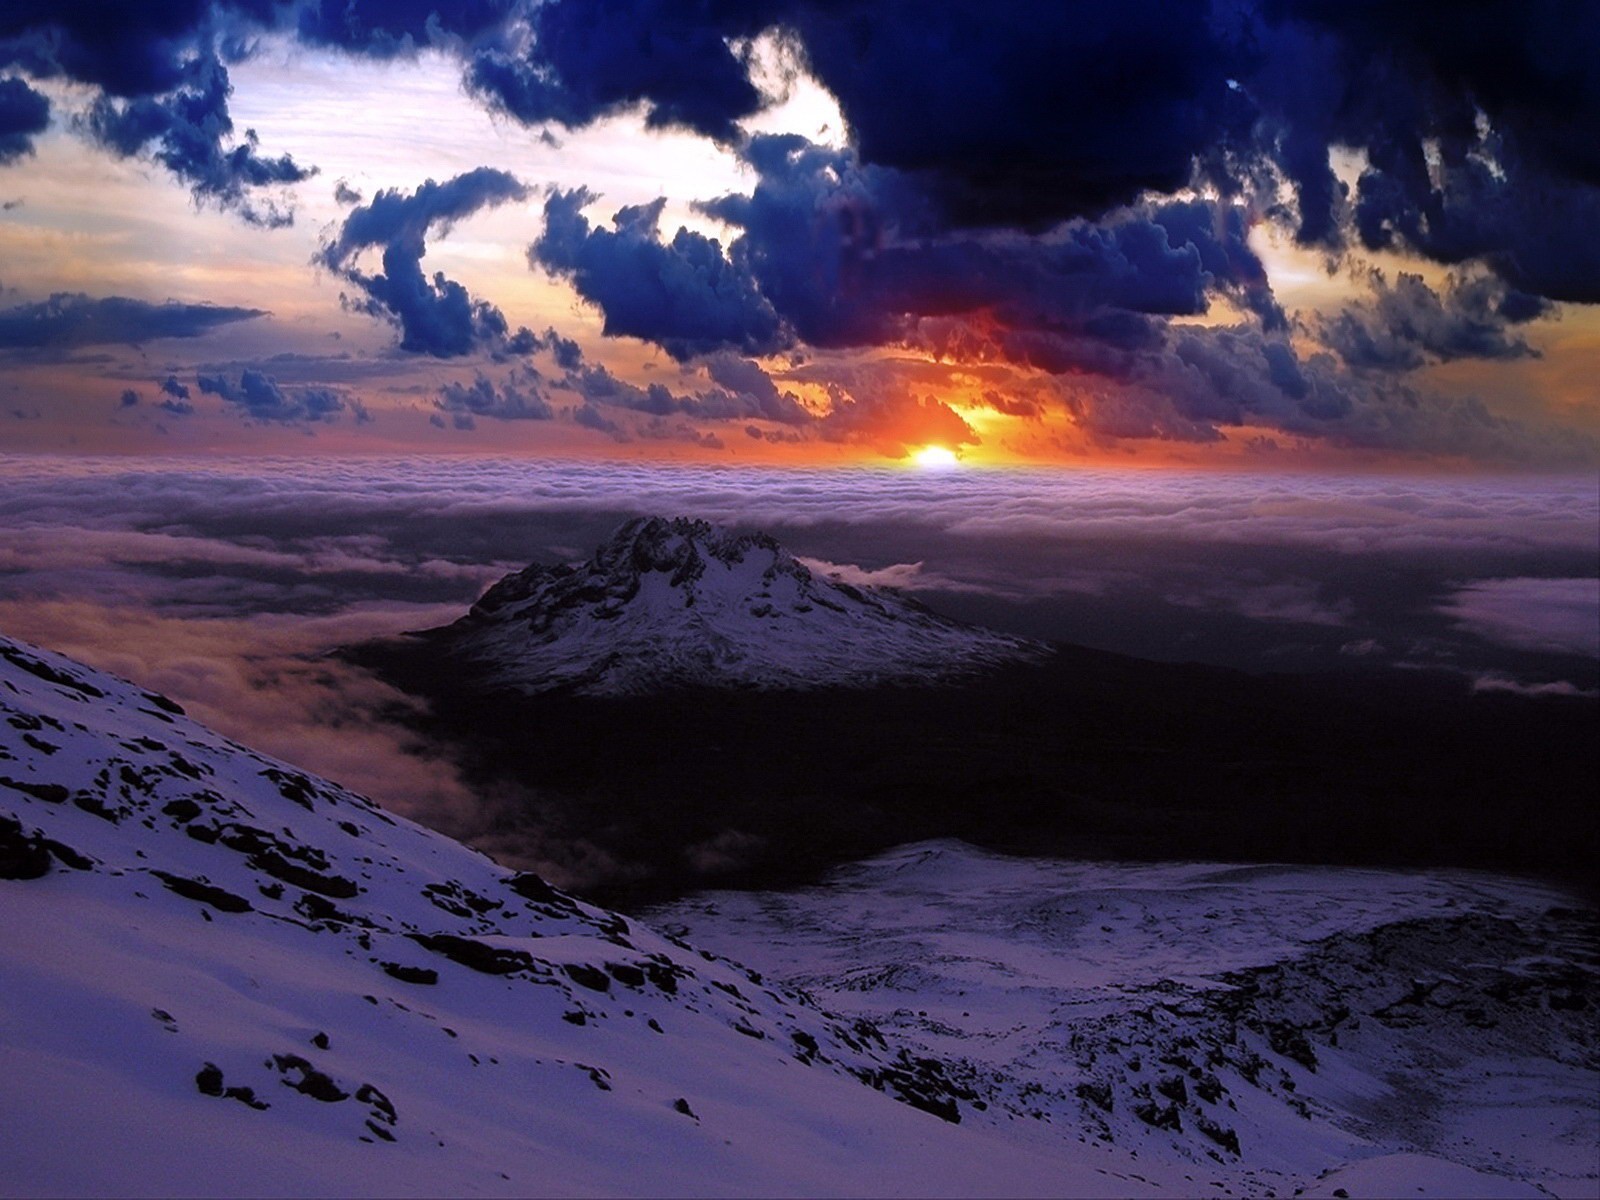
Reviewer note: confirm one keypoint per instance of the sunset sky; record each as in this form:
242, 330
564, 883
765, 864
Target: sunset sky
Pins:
1254, 235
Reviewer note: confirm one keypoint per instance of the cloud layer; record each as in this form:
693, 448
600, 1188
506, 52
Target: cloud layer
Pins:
225, 584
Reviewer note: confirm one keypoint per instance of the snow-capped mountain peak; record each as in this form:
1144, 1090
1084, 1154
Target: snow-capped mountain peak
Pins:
682, 603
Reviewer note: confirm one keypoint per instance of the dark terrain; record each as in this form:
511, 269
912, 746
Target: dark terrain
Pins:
1088, 755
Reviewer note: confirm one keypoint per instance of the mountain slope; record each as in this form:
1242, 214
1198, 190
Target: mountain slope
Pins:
1280, 1020
223, 976
680, 603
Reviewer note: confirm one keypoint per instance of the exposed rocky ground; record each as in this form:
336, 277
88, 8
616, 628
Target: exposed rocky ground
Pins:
1269, 1024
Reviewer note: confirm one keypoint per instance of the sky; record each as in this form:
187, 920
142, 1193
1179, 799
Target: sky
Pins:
1250, 235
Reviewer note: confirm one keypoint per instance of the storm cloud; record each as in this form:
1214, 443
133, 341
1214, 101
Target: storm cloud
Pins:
575, 63
683, 295
436, 316
1407, 324
189, 132
24, 113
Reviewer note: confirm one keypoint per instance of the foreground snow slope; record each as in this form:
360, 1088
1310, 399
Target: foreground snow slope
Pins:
680, 603
221, 976
1269, 1028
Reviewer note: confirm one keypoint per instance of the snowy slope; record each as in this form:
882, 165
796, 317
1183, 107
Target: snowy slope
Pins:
682, 603
221, 976
1385, 1033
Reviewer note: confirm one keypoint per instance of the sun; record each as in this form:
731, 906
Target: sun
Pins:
938, 457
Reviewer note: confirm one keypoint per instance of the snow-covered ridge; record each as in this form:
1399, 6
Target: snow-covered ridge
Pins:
232, 977
1270, 1024
682, 603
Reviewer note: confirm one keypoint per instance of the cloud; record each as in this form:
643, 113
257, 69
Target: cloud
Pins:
225, 582
1555, 615
683, 295
259, 397
68, 320
395, 28
24, 113
1294, 601
187, 131
824, 258
575, 63
1477, 129
437, 316
896, 575
1090, 114
1494, 681
749, 394
894, 421
590, 417
1408, 324
507, 401
848, 254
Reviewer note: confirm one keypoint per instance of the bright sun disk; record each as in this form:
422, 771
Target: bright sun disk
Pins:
934, 456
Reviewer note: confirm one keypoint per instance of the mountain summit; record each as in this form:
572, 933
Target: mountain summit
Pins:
682, 603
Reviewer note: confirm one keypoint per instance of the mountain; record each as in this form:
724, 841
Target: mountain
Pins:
1285, 1020
668, 604
221, 975
1072, 752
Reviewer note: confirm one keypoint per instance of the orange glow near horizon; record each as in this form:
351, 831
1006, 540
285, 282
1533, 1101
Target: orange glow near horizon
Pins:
935, 458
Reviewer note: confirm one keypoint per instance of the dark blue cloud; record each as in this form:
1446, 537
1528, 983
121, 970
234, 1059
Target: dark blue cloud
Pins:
259, 397
1407, 324
1477, 123
24, 113
567, 353
741, 377
685, 295
835, 254
436, 316
591, 417
746, 394
579, 60
162, 87
1026, 114
72, 319
174, 402
127, 49
510, 400
188, 131
390, 28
